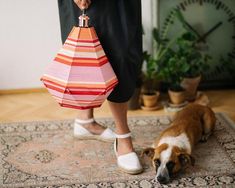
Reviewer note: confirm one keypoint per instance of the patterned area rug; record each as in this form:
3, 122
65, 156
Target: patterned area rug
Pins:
45, 154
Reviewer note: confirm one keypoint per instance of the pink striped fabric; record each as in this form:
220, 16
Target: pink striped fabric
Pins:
80, 76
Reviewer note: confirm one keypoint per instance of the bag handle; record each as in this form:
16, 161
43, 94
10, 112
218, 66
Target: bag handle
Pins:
83, 19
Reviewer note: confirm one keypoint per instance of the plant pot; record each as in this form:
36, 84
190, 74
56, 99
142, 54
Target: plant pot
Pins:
150, 100
177, 97
134, 102
190, 85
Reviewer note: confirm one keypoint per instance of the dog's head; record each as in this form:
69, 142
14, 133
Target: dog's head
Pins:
167, 161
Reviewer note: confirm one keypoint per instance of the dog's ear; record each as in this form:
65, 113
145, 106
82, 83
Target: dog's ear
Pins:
186, 159
149, 152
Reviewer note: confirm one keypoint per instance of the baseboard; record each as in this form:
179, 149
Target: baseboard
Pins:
22, 91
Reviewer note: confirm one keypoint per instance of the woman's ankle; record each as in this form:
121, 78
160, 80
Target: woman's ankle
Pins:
86, 114
124, 146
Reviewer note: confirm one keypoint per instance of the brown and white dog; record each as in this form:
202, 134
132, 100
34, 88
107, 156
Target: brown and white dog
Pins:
172, 150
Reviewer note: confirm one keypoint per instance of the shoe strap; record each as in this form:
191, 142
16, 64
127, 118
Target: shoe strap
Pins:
84, 121
123, 135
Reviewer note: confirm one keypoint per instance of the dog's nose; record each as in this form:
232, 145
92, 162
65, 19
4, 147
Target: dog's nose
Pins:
162, 179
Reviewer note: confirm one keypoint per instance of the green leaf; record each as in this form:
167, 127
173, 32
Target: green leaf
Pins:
179, 15
156, 35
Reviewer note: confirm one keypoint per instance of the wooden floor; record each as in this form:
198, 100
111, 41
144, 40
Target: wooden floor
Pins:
41, 106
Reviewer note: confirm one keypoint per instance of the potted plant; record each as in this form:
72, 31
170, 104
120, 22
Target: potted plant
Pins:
170, 65
171, 72
161, 67
175, 60
187, 47
151, 78
197, 63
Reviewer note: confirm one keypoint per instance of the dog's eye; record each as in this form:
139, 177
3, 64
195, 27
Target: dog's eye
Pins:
157, 162
170, 165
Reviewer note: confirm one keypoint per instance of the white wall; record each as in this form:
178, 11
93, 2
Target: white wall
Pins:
149, 21
30, 38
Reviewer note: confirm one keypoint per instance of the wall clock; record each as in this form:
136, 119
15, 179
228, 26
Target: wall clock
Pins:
214, 23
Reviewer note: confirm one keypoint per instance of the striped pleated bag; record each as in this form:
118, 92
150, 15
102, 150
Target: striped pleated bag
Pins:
80, 76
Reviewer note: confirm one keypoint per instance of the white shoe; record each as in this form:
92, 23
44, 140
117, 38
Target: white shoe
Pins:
129, 162
81, 133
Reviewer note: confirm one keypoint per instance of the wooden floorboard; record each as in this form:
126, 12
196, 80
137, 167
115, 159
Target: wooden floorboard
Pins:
41, 106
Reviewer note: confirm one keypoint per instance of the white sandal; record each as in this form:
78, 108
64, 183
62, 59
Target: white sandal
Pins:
129, 162
81, 133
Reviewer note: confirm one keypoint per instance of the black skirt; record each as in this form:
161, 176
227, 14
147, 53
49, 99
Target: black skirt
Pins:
118, 26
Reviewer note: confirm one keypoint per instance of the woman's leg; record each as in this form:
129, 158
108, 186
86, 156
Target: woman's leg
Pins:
93, 127
119, 111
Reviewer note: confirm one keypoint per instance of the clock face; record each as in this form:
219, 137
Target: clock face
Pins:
214, 23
